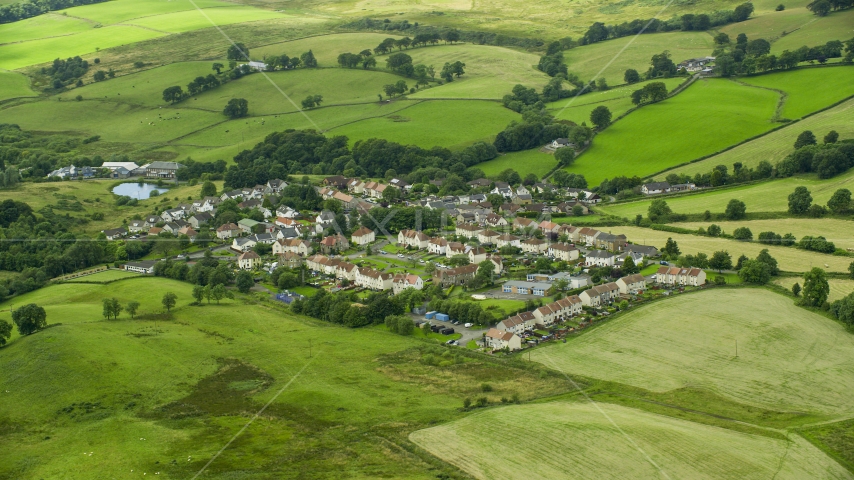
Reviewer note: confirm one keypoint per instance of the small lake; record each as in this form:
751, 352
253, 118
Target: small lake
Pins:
140, 192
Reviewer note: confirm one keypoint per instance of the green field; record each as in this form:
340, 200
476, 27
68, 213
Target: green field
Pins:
761, 197
800, 85
589, 60
105, 276
524, 162
124, 10
42, 26
839, 287
772, 25
776, 145
789, 359
14, 85
478, 444
818, 31
446, 123
138, 397
840, 232
639, 144
325, 48
789, 259
618, 100
193, 20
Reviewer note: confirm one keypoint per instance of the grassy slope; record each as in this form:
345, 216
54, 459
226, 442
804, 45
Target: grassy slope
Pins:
345, 401
778, 144
808, 89
788, 358
38, 27
618, 100
325, 48
839, 288
818, 31
762, 197
841, 232
13, 85
124, 10
640, 144
480, 445
789, 259
449, 123
193, 20
525, 162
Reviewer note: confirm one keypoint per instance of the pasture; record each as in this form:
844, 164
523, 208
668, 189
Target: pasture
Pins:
105, 276
41, 26
771, 196
801, 86
524, 162
186, 21
839, 287
778, 144
447, 123
14, 85
840, 232
618, 100
731, 113
818, 31
325, 48
123, 10
789, 259
789, 359
575, 432
771, 25
162, 398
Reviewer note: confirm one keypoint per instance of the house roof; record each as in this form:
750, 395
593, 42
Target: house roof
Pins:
362, 232
250, 255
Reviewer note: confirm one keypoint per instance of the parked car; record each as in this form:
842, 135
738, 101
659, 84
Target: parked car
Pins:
468, 325
450, 342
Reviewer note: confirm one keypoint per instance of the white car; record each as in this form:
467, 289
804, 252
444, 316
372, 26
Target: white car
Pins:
468, 325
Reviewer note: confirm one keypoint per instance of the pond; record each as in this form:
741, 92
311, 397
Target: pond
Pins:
140, 192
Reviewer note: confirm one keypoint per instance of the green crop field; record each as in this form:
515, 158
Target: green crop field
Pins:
49, 25
640, 145
325, 48
776, 145
162, 400
446, 123
840, 232
618, 100
839, 288
14, 85
491, 72
789, 259
478, 444
803, 97
762, 197
789, 359
589, 60
525, 162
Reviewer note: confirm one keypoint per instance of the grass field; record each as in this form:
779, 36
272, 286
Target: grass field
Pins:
478, 444
41, 26
589, 60
630, 146
491, 72
325, 48
14, 85
840, 232
104, 276
818, 31
771, 25
761, 197
618, 100
789, 259
800, 85
193, 20
776, 145
789, 359
839, 287
123, 10
446, 123
163, 401
524, 162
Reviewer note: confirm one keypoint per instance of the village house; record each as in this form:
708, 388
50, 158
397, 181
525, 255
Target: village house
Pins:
600, 295
494, 221
455, 248
563, 251
497, 261
115, 233
510, 208
599, 258
539, 289
549, 227
143, 266
290, 260
647, 251
655, 188
608, 241
248, 260
402, 281
199, 219
468, 230
498, 340
488, 236
336, 181
518, 324
136, 226
348, 201
476, 255
243, 244
437, 246
247, 224
525, 224
454, 276
162, 169
322, 264
561, 142
293, 245
631, 284
412, 238
363, 236
346, 271
586, 235
189, 232
369, 278
676, 276
508, 239
334, 244
228, 230
534, 245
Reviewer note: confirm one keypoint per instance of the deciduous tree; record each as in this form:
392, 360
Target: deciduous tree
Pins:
29, 318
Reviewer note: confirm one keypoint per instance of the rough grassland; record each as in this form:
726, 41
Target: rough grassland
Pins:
41, 26
778, 144
618, 100
840, 232
788, 358
800, 85
675, 131
491, 72
17, 55
788, 258
820, 30
14, 85
525, 162
839, 287
446, 123
565, 440
771, 25
193, 20
587, 61
769, 196
325, 48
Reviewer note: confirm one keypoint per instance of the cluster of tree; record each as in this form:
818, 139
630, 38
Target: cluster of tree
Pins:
175, 93
346, 308
619, 184
759, 270
465, 312
824, 7
827, 160
284, 62
14, 12
396, 219
650, 93
420, 39
537, 128
365, 59
29, 318
28, 155
398, 88
751, 56
599, 31
470, 36
208, 170
400, 324
564, 179
236, 108
720, 175
552, 62
312, 101
64, 72
207, 271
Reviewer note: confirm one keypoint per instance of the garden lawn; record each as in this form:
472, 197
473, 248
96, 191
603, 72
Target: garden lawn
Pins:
789, 259
809, 89
452, 124
789, 359
14, 85
840, 232
681, 449
524, 162
193, 19
678, 130
776, 145
771, 196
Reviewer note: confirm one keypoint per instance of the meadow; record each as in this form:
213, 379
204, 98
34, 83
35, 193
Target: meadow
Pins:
50, 24
808, 89
564, 439
789, 359
186, 21
776, 145
105, 276
840, 232
123, 10
524, 162
325, 48
839, 287
771, 196
161, 394
818, 31
788, 258
617, 99
14, 85
648, 140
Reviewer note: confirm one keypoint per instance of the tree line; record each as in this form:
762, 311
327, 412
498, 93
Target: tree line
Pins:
14, 12
750, 56
469, 36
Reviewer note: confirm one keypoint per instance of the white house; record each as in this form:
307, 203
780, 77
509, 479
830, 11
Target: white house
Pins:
599, 258
248, 260
563, 251
600, 295
372, 279
401, 282
631, 283
498, 340
144, 266
655, 188
437, 246
363, 236
534, 245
